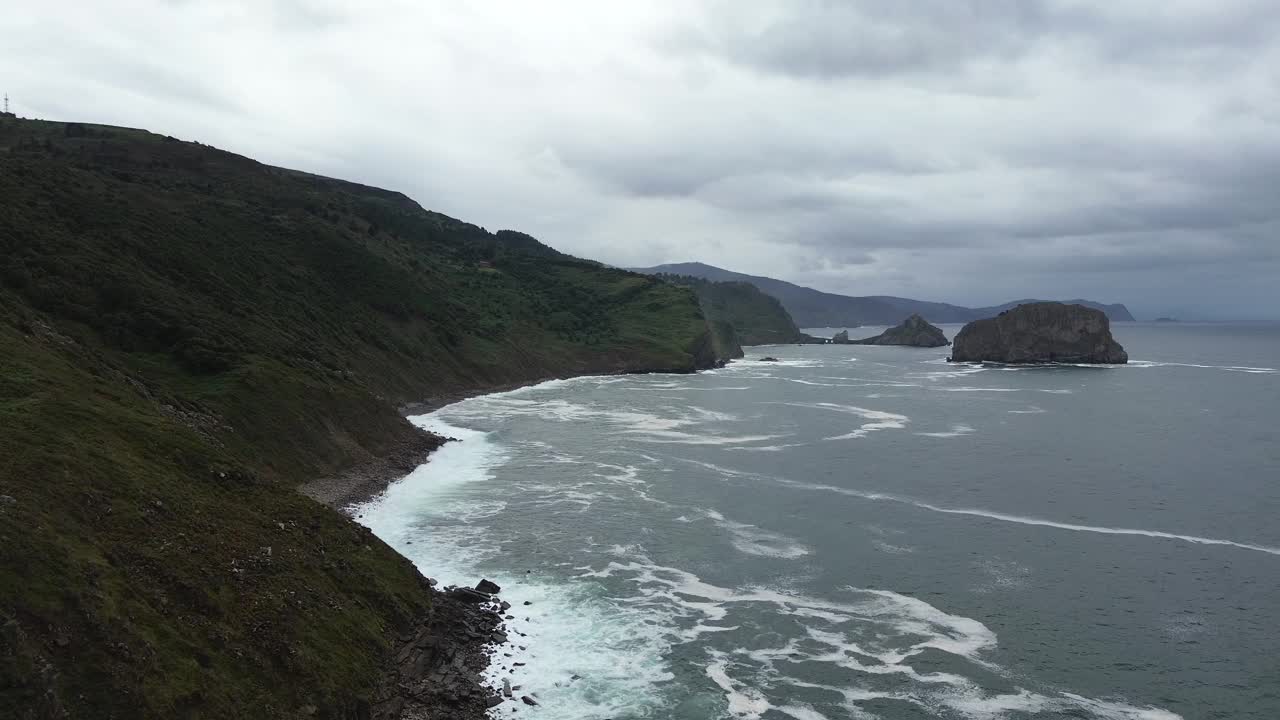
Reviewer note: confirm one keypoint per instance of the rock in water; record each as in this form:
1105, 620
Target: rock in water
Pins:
1040, 333
488, 586
914, 331
840, 338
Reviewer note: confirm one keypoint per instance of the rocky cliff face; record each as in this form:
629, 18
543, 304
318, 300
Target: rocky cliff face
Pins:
914, 331
1040, 333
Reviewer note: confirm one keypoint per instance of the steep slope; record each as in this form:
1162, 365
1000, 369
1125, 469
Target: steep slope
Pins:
814, 308
755, 318
187, 335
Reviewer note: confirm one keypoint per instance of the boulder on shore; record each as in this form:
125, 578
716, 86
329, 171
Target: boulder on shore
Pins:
914, 331
1044, 332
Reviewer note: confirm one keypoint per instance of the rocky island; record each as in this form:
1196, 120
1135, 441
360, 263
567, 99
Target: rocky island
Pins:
1043, 332
915, 331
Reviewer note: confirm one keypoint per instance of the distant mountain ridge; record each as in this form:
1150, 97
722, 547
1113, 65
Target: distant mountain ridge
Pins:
814, 308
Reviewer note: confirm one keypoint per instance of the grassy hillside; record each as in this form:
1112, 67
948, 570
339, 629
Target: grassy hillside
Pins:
187, 335
754, 317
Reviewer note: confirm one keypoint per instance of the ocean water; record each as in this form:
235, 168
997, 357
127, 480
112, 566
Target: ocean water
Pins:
866, 532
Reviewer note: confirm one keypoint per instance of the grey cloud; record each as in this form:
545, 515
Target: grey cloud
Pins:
886, 38
822, 38
689, 163
957, 150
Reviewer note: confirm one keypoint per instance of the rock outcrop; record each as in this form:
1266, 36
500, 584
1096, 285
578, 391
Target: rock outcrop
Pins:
914, 331
840, 338
1040, 333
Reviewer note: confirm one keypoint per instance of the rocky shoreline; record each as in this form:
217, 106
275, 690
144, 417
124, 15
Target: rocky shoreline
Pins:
368, 480
436, 670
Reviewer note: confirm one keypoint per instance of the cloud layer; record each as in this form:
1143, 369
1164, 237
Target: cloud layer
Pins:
970, 151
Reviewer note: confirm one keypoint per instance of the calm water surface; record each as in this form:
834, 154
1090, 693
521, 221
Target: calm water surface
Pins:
864, 532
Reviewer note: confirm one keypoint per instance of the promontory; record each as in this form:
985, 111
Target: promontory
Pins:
1043, 332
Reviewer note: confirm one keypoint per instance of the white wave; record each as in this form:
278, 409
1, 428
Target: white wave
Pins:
958, 371
883, 546
551, 385
869, 382
988, 514
765, 448
918, 624
745, 363
572, 632
744, 702
955, 431
625, 474
682, 438
1002, 575
561, 410
1007, 390
859, 384
1033, 410
801, 712
567, 630
1024, 701
1027, 520
433, 488
880, 420
753, 540
1228, 368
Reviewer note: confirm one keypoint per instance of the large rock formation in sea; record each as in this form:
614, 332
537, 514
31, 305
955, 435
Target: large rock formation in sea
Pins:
914, 331
1040, 333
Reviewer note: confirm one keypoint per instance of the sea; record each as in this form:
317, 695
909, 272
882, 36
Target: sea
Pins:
873, 532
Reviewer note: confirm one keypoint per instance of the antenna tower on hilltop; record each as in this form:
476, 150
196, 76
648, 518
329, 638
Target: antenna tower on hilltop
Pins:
6, 103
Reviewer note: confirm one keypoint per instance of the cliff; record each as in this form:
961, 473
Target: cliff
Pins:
1040, 333
754, 317
188, 335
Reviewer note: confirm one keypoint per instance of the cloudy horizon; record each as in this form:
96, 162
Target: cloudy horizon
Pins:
959, 151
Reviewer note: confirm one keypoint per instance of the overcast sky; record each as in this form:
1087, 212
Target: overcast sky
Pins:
968, 151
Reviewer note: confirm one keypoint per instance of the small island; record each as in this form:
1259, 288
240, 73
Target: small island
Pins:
1044, 332
915, 331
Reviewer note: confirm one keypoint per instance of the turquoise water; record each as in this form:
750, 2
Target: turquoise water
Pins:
865, 532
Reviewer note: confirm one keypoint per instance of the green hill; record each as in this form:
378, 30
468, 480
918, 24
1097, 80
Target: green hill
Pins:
754, 317
186, 336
